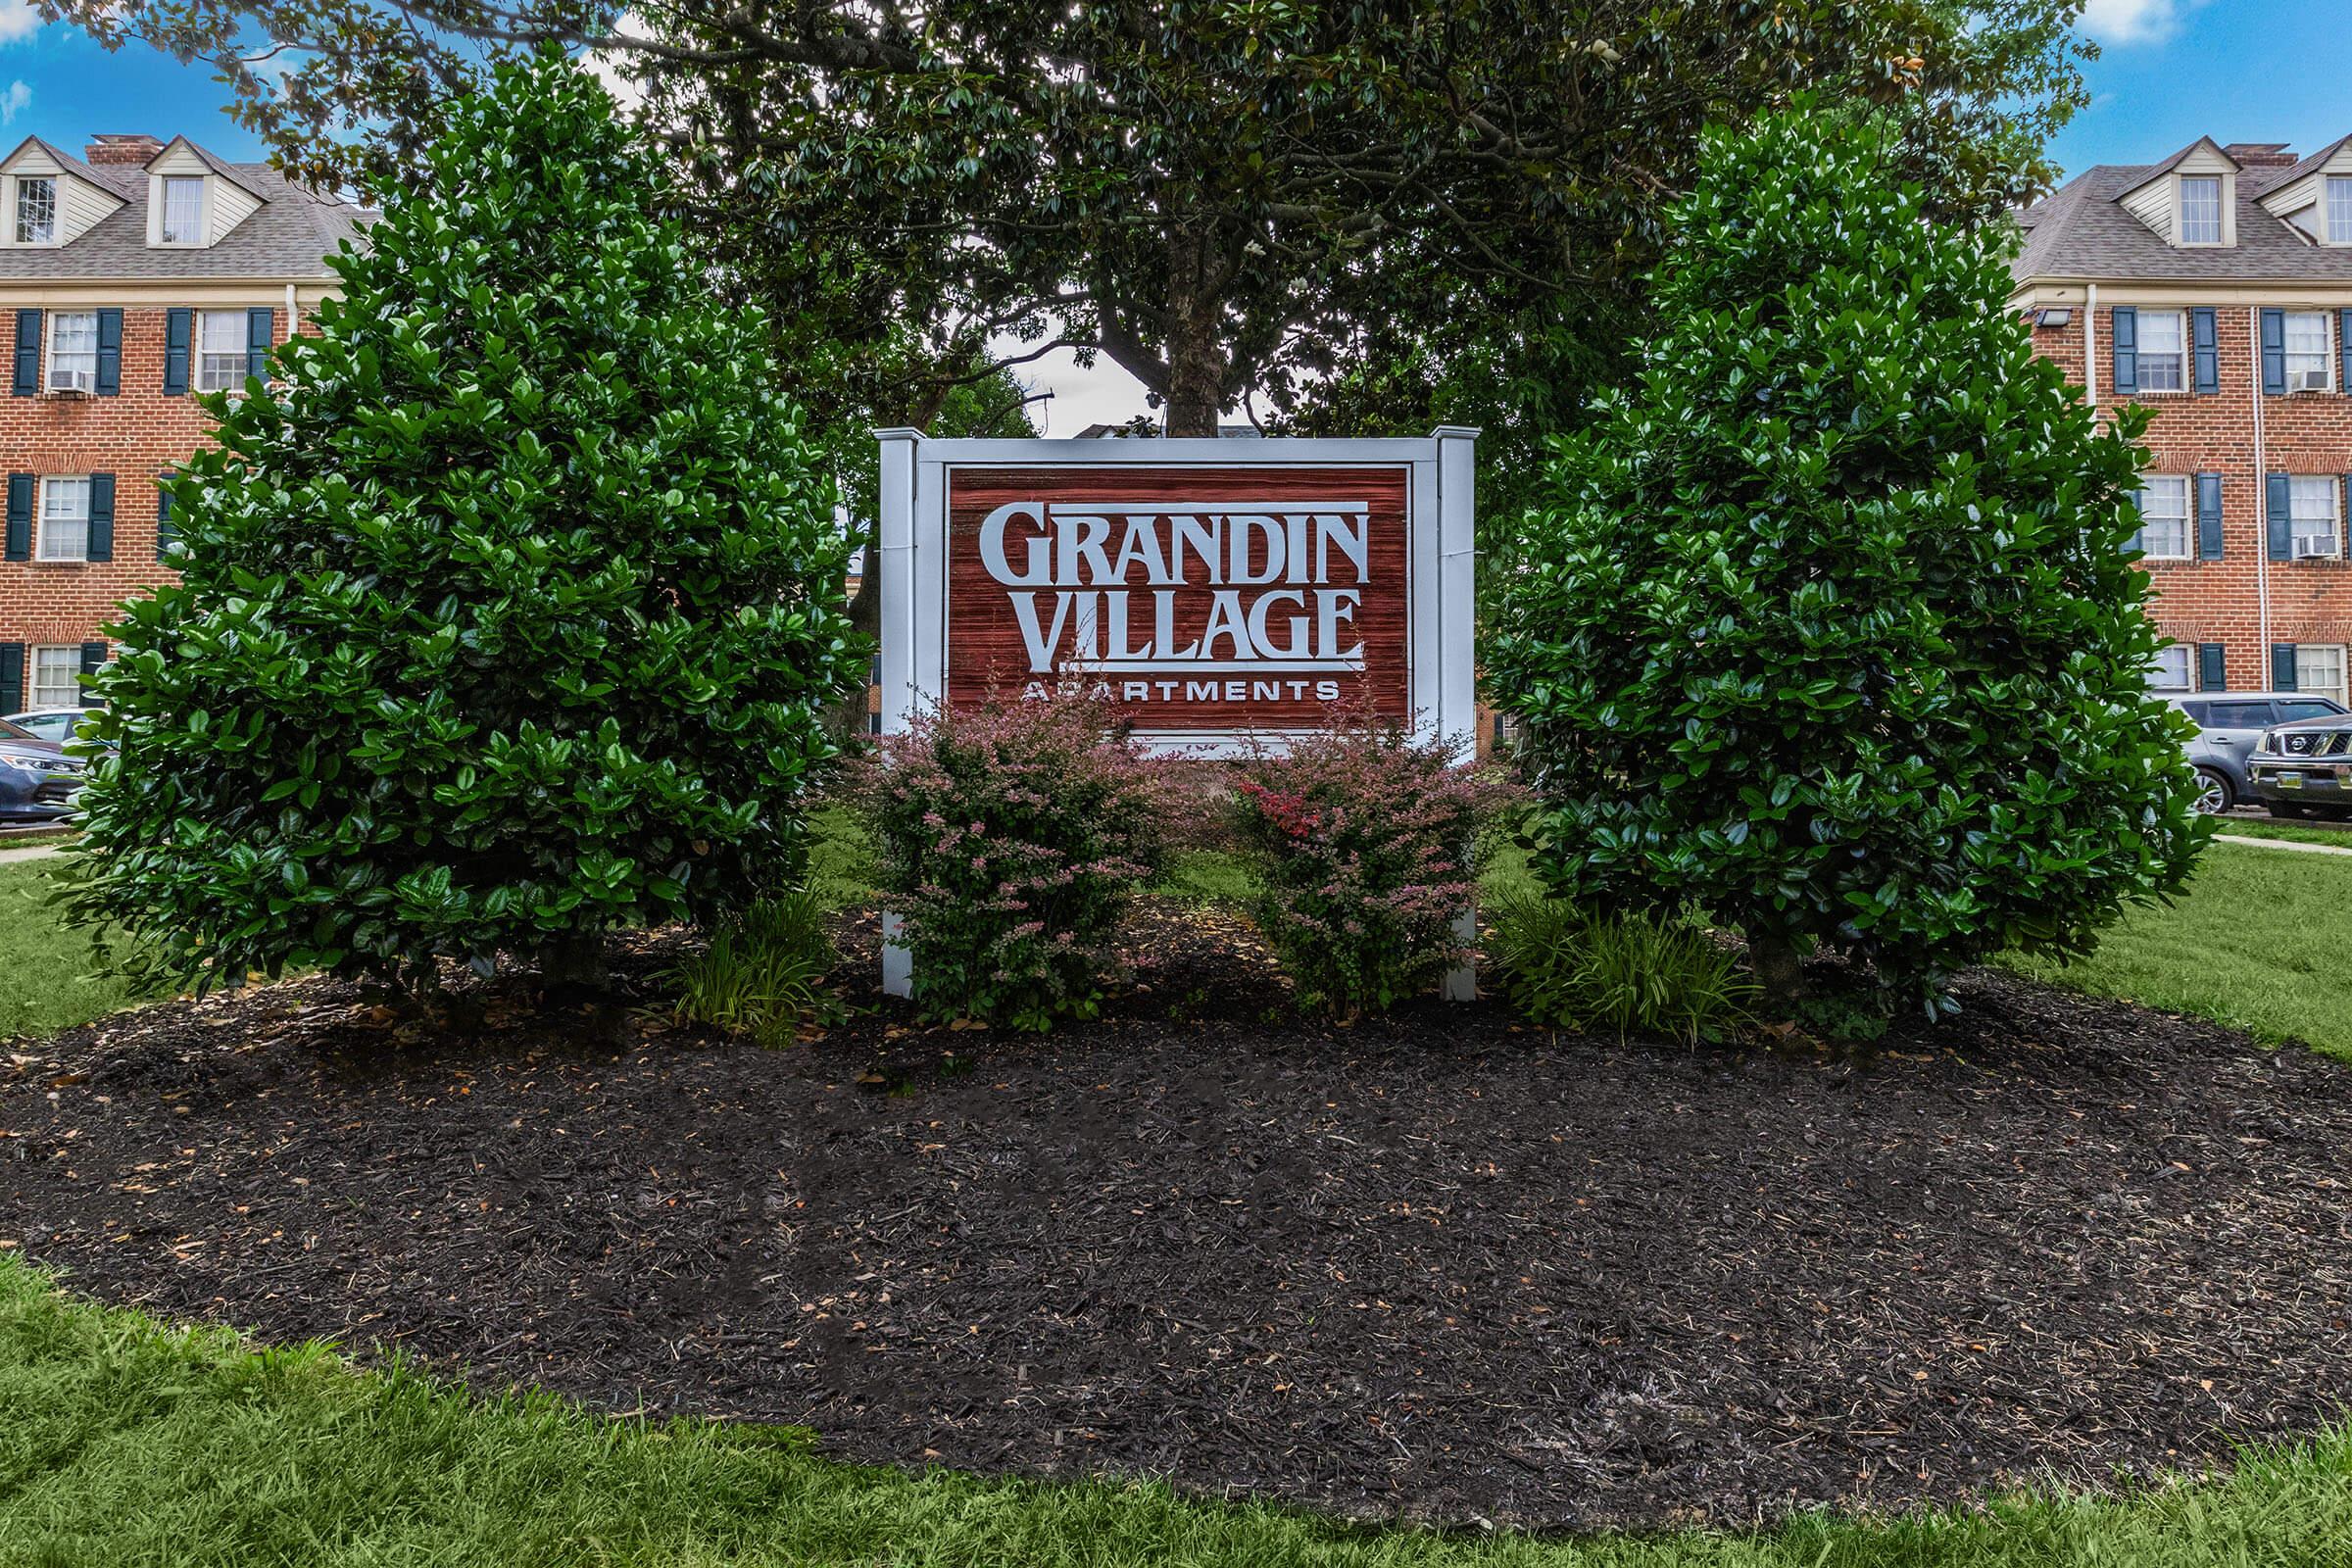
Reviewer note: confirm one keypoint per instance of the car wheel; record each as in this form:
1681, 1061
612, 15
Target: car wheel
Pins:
2214, 794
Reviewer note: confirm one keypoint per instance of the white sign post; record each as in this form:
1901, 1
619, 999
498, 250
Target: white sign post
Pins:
1296, 551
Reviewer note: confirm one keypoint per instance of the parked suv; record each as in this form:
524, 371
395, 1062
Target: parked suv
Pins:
2304, 769
2229, 727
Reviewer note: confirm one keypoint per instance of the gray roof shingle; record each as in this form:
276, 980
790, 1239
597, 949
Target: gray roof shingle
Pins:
289, 235
2082, 230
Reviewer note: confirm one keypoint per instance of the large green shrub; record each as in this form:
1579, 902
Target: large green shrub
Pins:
1830, 622
508, 613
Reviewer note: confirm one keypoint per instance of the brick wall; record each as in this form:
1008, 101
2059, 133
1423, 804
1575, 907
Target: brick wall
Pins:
2304, 433
136, 435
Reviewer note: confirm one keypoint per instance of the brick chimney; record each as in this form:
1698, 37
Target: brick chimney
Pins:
134, 149
2261, 155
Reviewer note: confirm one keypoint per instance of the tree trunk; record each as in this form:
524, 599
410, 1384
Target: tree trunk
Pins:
574, 962
1196, 360
1778, 969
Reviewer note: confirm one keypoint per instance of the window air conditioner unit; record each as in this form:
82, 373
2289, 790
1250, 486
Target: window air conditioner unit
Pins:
71, 381
2313, 552
2306, 382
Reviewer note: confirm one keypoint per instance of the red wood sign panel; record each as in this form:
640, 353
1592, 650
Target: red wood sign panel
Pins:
1206, 598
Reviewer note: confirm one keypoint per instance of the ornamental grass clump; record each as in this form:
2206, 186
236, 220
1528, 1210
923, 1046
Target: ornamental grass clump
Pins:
1363, 838
1637, 972
1009, 839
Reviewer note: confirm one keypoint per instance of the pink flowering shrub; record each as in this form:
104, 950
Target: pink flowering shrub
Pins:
1365, 839
1009, 839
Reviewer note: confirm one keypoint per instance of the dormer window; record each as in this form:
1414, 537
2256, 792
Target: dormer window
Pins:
182, 221
2339, 209
2200, 209
36, 210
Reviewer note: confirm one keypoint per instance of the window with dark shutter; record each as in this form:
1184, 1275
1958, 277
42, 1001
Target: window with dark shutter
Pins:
2206, 344
2283, 666
2273, 352
28, 354
19, 516
178, 328
2124, 326
109, 354
2213, 667
102, 517
2209, 516
2279, 520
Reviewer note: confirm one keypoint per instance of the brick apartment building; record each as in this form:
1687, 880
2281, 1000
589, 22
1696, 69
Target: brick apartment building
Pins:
131, 278
2216, 289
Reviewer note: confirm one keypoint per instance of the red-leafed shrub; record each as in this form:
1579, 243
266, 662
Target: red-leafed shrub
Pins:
1010, 838
1365, 839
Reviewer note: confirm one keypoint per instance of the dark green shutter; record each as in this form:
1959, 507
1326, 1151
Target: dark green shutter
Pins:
93, 654
2283, 666
2273, 352
179, 327
12, 676
110, 353
19, 516
2126, 330
2280, 527
102, 517
2213, 667
2343, 340
2208, 345
163, 517
2137, 544
260, 331
29, 353
2209, 516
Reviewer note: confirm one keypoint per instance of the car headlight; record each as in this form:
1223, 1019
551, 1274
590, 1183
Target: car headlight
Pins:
2269, 741
45, 764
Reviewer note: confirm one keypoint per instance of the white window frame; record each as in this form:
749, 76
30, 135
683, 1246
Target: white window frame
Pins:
41, 550
54, 340
201, 370
2148, 517
2179, 356
67, 654
16, 207
2220, 197
2174, 658
2321, 359
2305, 524
2335, 209
2334, 689
162, 210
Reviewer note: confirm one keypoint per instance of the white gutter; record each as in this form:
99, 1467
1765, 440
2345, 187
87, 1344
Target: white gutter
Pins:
2262, 494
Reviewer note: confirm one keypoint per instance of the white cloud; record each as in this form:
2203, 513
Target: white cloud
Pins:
2126, 21
13, 102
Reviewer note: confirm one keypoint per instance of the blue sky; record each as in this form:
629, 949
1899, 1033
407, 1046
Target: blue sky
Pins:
2170, 71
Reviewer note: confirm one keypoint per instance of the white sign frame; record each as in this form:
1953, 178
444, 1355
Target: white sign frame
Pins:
1441, 577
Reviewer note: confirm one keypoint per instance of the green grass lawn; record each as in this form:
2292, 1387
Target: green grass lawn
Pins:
127, 1444
2257, 942
46, 978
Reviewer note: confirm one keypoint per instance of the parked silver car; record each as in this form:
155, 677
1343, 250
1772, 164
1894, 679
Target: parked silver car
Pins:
2230, 726
2304, 769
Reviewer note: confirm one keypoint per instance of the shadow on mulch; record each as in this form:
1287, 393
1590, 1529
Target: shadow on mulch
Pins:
1438, 1267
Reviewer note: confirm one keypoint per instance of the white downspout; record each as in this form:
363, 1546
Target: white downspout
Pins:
2091, 348
2262, 494
293, 314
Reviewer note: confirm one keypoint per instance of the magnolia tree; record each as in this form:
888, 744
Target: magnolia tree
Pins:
1829, 621
509, 611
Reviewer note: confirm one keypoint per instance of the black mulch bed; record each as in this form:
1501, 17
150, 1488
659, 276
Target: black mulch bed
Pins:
1442, 1267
